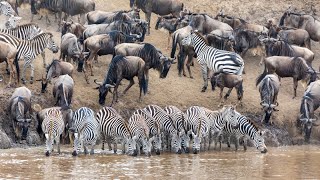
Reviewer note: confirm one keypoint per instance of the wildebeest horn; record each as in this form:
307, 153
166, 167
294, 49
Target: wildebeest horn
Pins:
99, 83
28, 120
109, 86
263, 104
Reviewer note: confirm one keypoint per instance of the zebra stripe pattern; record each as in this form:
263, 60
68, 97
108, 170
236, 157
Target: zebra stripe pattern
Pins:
167, 127
113, 128
219, 61
246, 129
52, 126
178, 118
140, 129
86, 130
25, 31
6, 9
29, 49
154, 129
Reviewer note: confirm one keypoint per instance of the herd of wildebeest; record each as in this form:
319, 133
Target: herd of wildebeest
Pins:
218, 43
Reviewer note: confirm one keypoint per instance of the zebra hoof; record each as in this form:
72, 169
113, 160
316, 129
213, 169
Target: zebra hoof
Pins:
74, 153
158, 152
47, 153
179, 151
186, 150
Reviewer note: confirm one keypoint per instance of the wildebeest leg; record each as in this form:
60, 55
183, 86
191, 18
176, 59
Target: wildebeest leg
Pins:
43, 54
148, 17
96, 58
146, 72
129, 86
295, 85
115, 93
189, 62
85, 74
245, 141
228, 94
204, 69
221, 101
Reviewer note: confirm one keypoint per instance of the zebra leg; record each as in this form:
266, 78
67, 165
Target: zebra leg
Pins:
245, 143
43, 54
228, 141
237, 143
92, 149
115, 148
24, 73
58, 144
96, 58
32, 73
205, 77
85, 150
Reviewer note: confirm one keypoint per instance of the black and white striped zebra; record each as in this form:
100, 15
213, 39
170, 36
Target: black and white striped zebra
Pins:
178, 118
154, 129
219, 61
52, 127
140, 129
6, 9
114, 128
86, 130
198, 127
169, 133
246, 129
29, 49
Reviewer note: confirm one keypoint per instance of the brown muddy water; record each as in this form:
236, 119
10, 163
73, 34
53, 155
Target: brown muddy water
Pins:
290, 162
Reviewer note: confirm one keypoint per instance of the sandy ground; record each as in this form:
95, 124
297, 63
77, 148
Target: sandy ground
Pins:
182, 92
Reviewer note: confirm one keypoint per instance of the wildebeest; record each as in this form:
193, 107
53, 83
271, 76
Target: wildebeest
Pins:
160, 7
295, 67
310, 102
63, 91
275, 47
298, 37
269, 88
74, 28
238, 23
151, 56
7, 54
230, 81
171, 24
55, 69
127, 27
102, 17
220, 42
122, 67
302, 21
69, 47
19, 110
184, 50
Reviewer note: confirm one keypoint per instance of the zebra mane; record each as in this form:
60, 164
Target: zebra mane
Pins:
43, 34
126, 125
199, 35
253, 123
199, 127
26, 25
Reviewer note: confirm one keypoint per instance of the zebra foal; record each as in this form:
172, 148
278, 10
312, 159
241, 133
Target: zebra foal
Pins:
52, 127
210, 58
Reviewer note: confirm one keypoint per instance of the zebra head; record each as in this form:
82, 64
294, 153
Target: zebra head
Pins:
157, 143
185, 142
35, 30
258, 141
187, 41
51, 45
147, 144
229, 113
12, 22
132, 146
49, 143
76, 144
196, 143
176, 143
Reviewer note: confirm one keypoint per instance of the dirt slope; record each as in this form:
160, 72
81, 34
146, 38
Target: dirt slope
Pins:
179, 91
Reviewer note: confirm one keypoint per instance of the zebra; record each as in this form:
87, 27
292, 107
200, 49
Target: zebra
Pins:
247, 128
52, 127
166, 126
139, 128
86, 130
29, 49
12, 22
154, 129
198, 127
219, 61
113, 128
6, 9
178, 118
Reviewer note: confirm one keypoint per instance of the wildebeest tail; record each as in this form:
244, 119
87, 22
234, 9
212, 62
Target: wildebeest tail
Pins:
16, 62
261, 76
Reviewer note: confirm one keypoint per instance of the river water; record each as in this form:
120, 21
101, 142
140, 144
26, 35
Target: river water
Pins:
290, 162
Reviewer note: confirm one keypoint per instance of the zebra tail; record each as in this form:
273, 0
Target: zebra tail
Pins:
261, 76
16, 62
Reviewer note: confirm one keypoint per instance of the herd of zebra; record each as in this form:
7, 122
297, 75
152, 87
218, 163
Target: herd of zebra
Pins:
151, 128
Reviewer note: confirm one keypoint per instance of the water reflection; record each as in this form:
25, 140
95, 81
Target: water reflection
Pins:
279, 163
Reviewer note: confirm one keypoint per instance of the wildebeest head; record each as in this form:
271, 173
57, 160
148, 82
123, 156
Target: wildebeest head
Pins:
81, 58
103, 91
139, 27
166, 64
65, 27
44, 84
268, 109
22, 121
307, 117
12, 22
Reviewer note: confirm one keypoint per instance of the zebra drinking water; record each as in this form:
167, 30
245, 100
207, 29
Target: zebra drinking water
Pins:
29, 49
219, 61
113, 128
6, 9
52, 127
86, 130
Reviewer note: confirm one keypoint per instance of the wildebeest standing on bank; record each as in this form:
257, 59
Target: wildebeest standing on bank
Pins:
230, 81
298, 37
70, 47
151, 56
295, 67
8, 53
63, 91
310, 102
55, 69
19, 110
160, 7
269, 88
122, 67
302, 21
102, 17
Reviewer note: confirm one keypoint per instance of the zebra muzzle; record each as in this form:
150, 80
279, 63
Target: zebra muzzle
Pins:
74, 153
